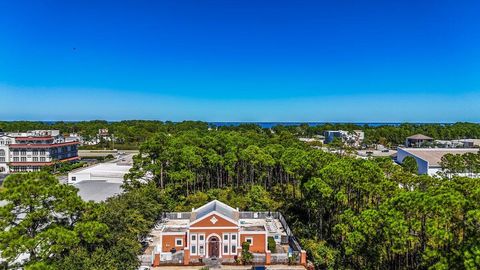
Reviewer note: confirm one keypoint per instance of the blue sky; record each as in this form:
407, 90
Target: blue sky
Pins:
348, 61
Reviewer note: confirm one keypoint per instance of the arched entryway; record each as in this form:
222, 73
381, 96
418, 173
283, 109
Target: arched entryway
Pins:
213, 247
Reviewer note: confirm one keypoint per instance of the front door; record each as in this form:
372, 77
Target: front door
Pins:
213, 247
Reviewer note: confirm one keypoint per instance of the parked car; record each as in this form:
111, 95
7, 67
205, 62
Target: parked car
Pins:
259, 267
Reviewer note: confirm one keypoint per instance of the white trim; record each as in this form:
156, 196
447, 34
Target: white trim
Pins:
215, 201
207, 244
227, 243
161, 242
181, 239
213, 228
214, 213
233, 251
173, 233
252, 232
251, 238
193, 243
201, 242
266, 241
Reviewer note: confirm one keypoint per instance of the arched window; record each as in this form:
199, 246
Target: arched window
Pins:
1, 142
8, 141
2, 169
2, 152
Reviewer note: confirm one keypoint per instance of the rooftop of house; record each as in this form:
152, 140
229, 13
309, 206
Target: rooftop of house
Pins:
104, 168
216, 206
269, 225
247, 221
419, 137
434, 155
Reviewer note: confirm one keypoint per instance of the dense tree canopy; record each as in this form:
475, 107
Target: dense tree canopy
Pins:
132, 133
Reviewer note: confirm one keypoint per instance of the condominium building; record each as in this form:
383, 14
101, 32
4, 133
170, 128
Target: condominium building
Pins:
30, 151
353, 138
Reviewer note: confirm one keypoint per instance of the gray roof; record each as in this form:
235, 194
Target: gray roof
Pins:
419, 137
434, 155
175, 229
254, 228
217, 206
97, 190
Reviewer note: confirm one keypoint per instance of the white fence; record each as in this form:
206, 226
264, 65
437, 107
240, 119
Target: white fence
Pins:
281, 258
146, 260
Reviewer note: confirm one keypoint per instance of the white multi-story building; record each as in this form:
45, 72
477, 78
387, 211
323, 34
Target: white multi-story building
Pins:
30, 151
353, 138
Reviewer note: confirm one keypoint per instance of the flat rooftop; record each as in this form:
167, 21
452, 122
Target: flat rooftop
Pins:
105, 168
434, 155
272, 226
97, 191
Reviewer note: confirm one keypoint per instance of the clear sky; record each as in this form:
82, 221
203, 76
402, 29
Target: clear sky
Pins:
245, 60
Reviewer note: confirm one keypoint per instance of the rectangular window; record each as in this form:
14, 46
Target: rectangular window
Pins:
35, 159
23, 159
201, 237
249, 240
193, 244
42, 159
2, 159
35, 152
201, 250
233, 243
23, 152
15, 159
179, 242
226, 243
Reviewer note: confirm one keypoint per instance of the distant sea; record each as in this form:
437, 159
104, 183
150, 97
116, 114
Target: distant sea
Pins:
272, 124
312, 124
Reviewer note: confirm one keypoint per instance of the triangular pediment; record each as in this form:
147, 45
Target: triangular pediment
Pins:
213, 214
214, 219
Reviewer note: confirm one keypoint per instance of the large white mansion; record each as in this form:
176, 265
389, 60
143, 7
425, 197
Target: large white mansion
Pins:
30, 151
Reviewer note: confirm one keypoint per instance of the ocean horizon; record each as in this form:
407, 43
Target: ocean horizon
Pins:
270, 124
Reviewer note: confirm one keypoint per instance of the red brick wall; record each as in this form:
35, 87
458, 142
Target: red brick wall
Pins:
259, 241
168, 242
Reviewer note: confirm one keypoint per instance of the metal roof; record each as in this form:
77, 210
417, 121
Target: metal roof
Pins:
218, 207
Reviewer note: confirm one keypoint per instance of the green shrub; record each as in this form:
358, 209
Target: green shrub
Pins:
271, 244
247, 256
